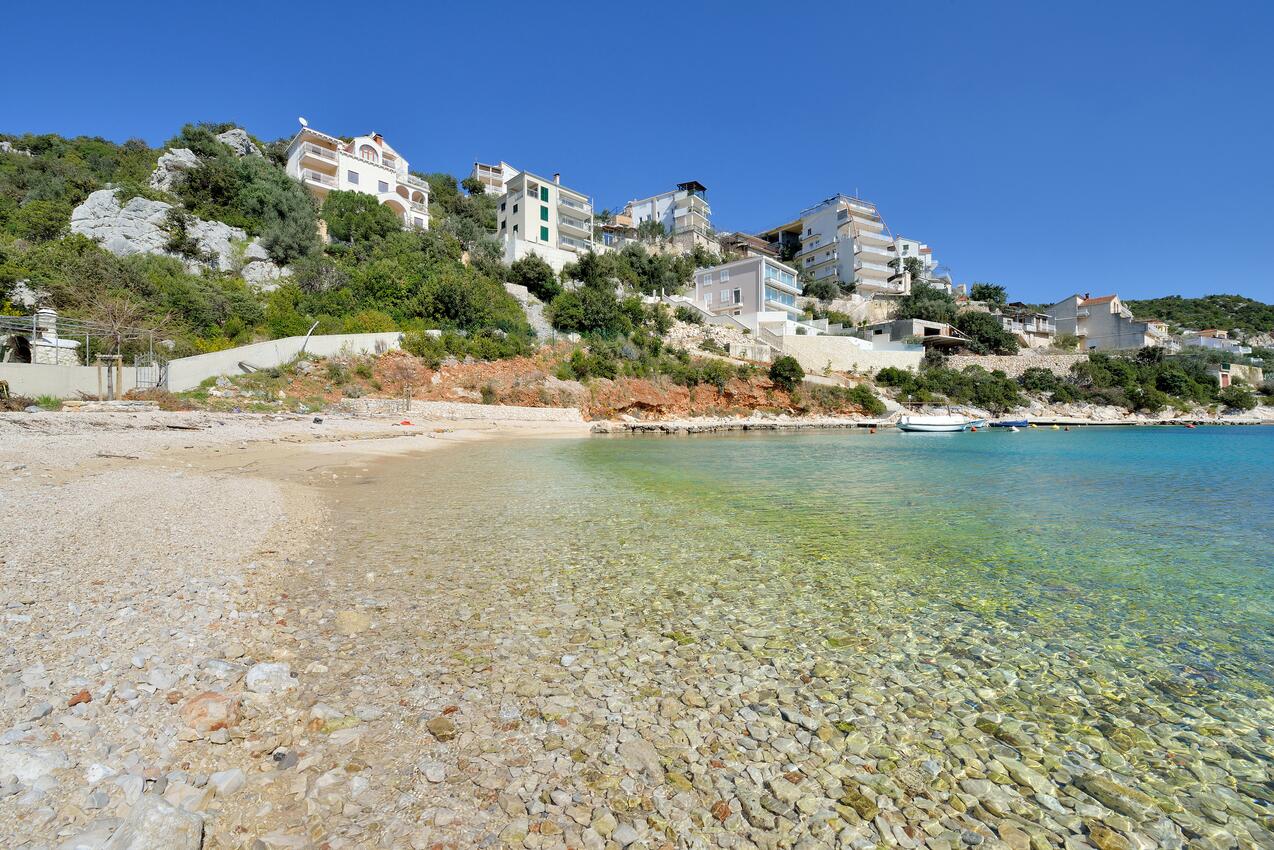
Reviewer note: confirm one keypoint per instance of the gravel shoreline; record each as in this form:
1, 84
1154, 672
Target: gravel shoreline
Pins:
145, 666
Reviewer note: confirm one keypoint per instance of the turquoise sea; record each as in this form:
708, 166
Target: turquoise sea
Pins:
1095, 599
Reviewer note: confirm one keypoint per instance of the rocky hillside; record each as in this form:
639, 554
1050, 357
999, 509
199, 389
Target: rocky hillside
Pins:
208, 240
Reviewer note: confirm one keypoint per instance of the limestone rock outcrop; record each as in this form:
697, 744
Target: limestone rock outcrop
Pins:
239, 141
171, 169
142, 226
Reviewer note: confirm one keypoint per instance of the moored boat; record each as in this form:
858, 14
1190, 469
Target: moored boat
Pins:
1010, 423
936, 423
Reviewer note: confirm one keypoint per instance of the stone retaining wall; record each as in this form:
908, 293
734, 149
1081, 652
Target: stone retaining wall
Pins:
456, 411
1014, 366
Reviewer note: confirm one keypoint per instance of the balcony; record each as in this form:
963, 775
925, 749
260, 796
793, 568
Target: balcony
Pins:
414, 181
419, 207
872, 285
873, 254
572, 204
1082, 313
570, 243
860, 208
694, 204
873, 269
874, 237
568, 222
327, 156
311, 176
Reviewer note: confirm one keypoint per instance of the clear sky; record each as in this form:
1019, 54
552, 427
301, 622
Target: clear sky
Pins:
1051, 147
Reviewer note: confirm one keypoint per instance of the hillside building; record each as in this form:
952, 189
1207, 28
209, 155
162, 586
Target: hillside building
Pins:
494, 178
683, 212
543, 217
842, 239
365, 164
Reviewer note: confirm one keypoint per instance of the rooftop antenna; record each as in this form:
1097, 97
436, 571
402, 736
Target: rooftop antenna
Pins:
304, 123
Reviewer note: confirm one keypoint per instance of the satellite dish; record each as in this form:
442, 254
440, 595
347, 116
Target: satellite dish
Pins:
304, 123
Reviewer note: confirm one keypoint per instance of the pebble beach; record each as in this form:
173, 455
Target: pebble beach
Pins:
258, 634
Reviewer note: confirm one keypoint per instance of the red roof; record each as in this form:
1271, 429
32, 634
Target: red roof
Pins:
1105, 299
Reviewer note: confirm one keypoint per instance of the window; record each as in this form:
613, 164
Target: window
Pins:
544, 234
352, 176
502, 224
707, 280
707, 298
544, 193
544, 213
420, 222
515, 230
725, 275
515, 209
382, 186
738, 296
502, 205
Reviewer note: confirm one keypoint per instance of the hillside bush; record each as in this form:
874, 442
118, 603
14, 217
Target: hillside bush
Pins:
786, 373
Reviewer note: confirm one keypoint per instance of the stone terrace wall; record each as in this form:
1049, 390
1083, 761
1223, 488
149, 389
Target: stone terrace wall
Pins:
451, 410
1015, 365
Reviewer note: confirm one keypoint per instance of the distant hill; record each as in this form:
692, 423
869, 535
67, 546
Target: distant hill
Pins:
1211, 311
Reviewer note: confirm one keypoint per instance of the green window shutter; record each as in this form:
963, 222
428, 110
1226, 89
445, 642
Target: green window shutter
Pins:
544, 234
544, 193
544, 213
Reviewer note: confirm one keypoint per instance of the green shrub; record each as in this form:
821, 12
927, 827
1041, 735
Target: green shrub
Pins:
1237, 398
1039, 380
689, 315
823, 290
786, 373
537, 276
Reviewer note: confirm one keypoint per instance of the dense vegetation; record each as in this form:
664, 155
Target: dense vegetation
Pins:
1149, 382
1211, 311
373, 276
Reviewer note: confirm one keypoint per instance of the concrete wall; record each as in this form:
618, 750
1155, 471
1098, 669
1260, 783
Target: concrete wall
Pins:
459, 411
814, 353
187, 373
37, 379
1014, 366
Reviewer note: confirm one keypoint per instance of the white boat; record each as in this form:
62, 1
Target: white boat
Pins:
937, 422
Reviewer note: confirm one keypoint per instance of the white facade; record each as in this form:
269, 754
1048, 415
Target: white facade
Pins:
904, 248
367, 164
844, 239
543, 217
494, 178
683, 212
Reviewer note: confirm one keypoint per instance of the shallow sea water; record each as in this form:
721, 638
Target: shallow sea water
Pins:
1110, 590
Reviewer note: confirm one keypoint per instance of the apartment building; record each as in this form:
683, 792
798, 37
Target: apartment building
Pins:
1105, 324
760, 292
745, 244
1031, 328
366, 164
683, 212
842, 239
494, 178
543, 217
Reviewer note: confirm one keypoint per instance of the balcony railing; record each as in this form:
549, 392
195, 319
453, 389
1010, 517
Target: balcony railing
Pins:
875, 236
320, 152
319, 177
571, 203
568, 221
574, 244
876, 267
413, 180
418, 207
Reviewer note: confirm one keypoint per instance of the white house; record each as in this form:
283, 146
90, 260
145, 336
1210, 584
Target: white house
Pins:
494, 178
366, 164
683, 212
545, 218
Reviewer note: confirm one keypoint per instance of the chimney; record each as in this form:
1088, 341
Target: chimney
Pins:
557, 177
46, 322
378, 138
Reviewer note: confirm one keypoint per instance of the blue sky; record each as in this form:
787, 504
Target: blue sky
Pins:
1051, 147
